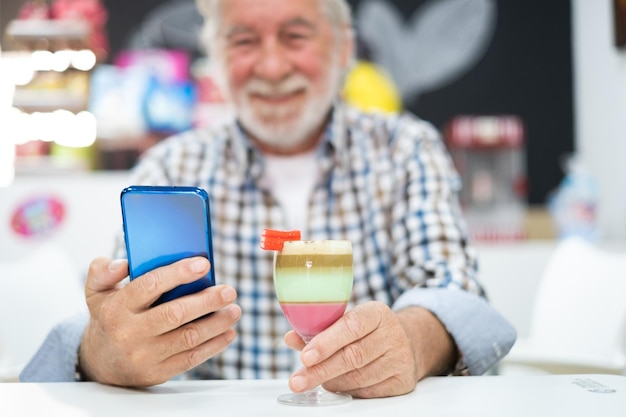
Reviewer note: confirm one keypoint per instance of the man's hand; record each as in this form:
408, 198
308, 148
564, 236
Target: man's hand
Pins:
131, 344
373, 352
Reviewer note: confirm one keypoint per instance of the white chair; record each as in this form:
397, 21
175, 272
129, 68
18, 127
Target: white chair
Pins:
36, 292
578, 322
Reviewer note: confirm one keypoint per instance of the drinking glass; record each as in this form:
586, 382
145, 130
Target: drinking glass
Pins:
313, 281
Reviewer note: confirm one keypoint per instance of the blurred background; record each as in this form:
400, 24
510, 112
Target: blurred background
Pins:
530, 98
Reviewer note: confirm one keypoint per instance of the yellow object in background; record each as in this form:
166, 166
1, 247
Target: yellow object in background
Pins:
368, 88
73, 157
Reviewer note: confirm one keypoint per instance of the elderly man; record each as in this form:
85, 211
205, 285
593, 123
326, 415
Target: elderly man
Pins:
296, 157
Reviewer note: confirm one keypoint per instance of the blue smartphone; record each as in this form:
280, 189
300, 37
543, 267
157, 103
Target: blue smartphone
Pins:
163, 224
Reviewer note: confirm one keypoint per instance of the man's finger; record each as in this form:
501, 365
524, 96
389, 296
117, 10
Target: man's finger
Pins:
146, 289
198, 332
173, 314
293, 340
380, 377
353, 362
187, 360
105, 274
354, 325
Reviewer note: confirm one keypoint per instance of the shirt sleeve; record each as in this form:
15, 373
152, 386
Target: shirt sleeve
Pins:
56, 358
481, 334
431, 244
435, 264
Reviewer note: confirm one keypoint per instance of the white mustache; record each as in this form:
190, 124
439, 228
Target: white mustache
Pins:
260, 87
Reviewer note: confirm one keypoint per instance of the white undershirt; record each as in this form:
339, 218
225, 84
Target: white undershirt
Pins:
291, 179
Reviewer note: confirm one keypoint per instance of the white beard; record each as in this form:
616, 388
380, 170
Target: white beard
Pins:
287, 126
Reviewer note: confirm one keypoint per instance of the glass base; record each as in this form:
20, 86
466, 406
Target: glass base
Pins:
314, 398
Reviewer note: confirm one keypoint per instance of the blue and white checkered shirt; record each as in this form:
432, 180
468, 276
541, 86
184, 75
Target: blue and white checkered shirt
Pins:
386, 183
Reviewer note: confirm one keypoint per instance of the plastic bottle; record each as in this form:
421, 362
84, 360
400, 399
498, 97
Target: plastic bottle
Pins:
573, 205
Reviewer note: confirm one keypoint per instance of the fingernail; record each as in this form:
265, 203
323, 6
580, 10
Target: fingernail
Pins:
229, 294
235, 311
310, 357
116, 264
198, 265
298, 383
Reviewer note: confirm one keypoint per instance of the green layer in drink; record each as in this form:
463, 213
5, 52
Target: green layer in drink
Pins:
314, 271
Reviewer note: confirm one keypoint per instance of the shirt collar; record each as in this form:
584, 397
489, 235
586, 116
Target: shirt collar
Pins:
249, 158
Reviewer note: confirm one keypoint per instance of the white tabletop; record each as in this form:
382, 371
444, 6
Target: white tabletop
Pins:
501, 396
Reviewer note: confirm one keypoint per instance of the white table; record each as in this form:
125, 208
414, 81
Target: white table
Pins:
501, 396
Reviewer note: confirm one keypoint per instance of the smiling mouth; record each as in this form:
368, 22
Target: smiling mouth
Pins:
277, 98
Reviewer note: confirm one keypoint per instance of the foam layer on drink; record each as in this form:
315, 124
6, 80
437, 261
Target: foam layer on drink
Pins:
317, 247
314, 271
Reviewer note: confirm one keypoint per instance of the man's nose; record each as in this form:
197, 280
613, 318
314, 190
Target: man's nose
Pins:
273, 63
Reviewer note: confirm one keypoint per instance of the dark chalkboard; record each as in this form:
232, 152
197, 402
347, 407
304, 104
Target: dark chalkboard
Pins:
525, 69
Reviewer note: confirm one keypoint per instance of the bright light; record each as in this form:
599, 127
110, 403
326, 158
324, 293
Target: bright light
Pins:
41, 60
15, 69
7, 162
18, 127
61, 126
61, 60
86, 125
7, 146
7, 151
22, 76
84, 60
6, 89
76, 130
40, 124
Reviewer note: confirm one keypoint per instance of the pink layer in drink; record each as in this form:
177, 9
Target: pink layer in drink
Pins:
309, 319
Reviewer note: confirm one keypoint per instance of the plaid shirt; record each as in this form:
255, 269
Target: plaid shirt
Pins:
386, 183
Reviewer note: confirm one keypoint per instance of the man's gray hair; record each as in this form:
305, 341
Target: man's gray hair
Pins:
337, 11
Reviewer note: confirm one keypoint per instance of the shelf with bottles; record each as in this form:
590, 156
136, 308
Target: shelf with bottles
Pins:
51, 48
54, 45
50, 35
55, 25
48, 79
52, 90
49, 104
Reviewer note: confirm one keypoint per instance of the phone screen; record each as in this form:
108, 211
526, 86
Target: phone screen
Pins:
163, 225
